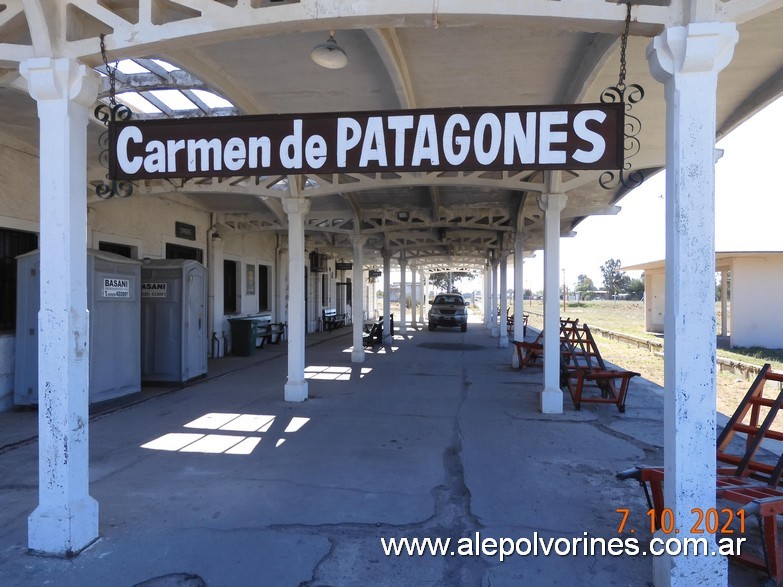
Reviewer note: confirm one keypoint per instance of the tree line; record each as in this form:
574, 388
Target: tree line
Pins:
616, 284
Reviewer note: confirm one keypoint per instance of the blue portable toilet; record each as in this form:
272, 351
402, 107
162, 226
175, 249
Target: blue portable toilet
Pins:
114, 303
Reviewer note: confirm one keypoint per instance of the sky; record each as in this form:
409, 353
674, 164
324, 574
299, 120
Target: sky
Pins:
748, 210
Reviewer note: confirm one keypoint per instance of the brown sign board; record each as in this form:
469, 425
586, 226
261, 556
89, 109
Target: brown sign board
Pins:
509, 138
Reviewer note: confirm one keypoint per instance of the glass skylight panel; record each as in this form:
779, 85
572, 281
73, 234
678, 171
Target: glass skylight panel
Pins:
174, 99
212, 100
129, 66
169, 101
137, 103
165, 65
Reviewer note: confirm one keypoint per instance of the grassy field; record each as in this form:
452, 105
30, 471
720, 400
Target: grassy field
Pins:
628, 318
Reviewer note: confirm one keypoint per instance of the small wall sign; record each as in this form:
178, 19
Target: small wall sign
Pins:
186, 231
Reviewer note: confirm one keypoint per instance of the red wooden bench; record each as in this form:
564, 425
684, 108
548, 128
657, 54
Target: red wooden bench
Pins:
744, 477
510, 324
530, 353
583, 371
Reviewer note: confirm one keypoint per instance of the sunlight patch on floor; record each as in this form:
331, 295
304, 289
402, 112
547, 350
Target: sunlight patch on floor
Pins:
334, 373
217, 443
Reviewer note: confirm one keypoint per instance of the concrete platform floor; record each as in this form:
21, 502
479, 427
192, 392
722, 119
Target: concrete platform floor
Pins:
434, 436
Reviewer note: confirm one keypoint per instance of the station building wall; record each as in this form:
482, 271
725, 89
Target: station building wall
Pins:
145, 224
19, 205
756, 303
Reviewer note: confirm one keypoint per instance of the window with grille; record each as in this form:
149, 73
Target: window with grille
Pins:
12, 244
116, 248
230, 288
181, 252
263, 288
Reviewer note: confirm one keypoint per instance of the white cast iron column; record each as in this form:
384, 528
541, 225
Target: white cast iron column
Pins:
493, 312
403, 329
357, 299
414, 299
216, 300
425, 297
66, 519
687, 60
296, 386
503, 331
387, 333
487, 294
519, 288
724, 302
519, 294
551, 395
425, 279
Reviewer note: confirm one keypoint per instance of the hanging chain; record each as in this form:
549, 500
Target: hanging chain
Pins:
632, 126
108, 115
623, 47
111, 72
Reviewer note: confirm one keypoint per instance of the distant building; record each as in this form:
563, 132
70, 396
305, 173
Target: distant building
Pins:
752, 280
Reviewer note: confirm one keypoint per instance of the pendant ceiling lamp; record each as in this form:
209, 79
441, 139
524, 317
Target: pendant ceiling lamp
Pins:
329, 54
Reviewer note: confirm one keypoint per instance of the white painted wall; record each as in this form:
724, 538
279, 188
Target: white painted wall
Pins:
251, 248
18, 181
254, 249
152, 225
756, 307
146, 223
756, 302
7, 346
19, 194
149, 219
655, 300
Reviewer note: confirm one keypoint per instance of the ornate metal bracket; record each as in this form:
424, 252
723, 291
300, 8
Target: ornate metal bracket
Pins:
108, 114
632, 126
628, 95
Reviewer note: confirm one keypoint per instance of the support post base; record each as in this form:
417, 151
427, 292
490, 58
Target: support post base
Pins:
681, 571
63, 532
296, 391
551, 401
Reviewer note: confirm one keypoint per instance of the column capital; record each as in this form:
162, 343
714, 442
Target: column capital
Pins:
296, 205
60, 79
553, 201
700, 47
403, 262
358, 240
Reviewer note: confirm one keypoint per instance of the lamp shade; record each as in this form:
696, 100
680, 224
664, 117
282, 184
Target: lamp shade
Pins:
329, 54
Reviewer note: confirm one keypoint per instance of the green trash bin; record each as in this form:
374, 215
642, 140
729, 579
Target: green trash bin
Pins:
243, 337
